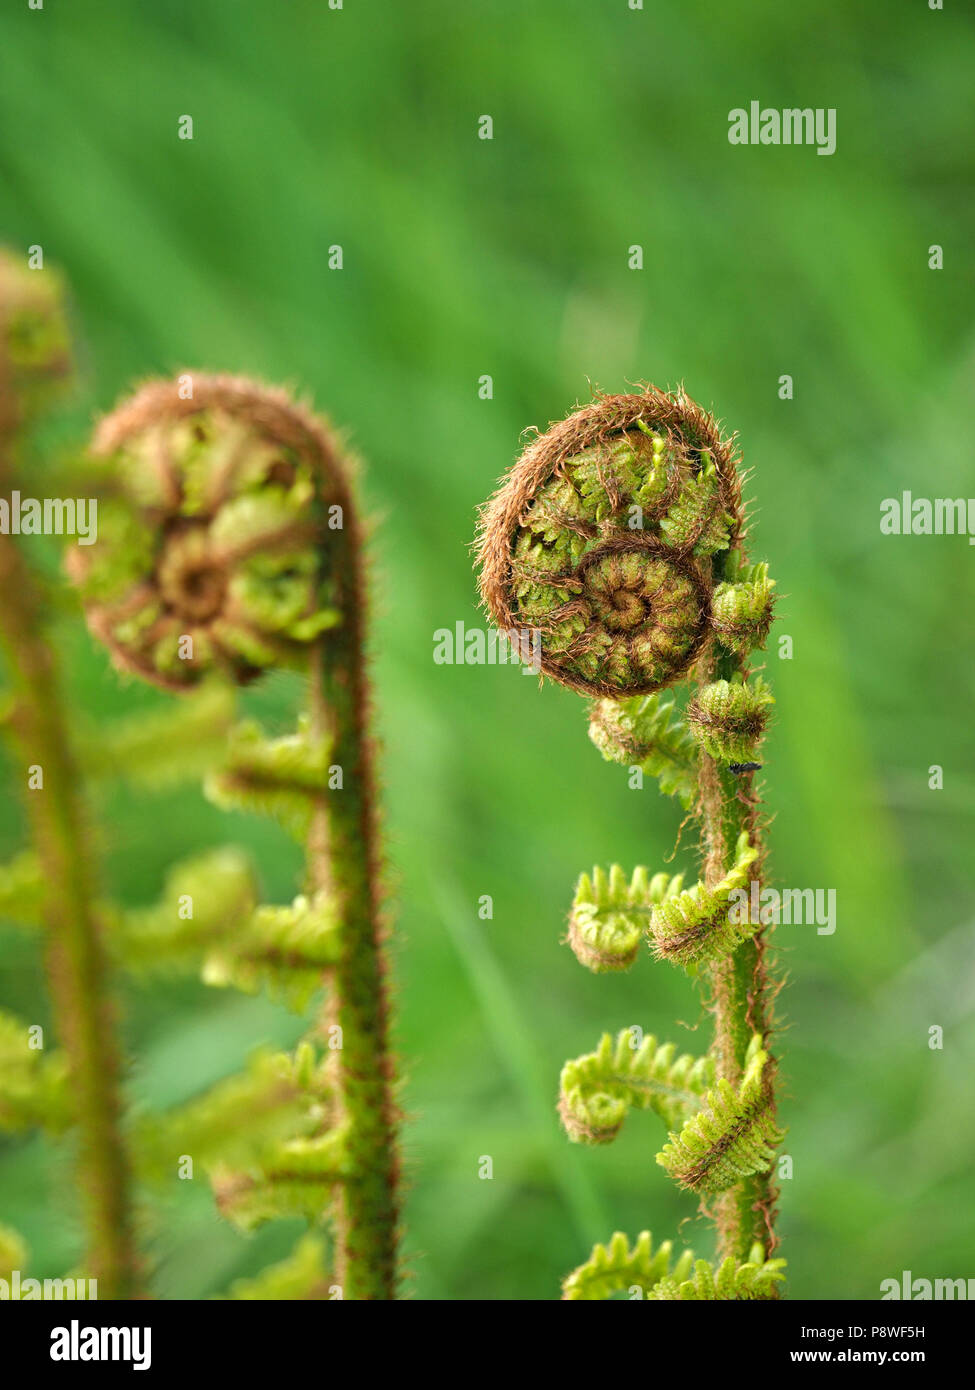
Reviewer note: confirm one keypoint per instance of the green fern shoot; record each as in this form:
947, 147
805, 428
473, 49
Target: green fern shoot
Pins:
618, 538
230, 546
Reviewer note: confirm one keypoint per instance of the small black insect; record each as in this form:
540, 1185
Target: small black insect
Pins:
739, 768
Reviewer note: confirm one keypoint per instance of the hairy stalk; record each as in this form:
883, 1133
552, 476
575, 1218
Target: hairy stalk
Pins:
739, 988
76, 964
617, 538
233, 548
344, 863
75, 953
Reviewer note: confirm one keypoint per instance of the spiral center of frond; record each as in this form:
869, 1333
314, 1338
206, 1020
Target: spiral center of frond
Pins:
192, 582
211, 552
618, 596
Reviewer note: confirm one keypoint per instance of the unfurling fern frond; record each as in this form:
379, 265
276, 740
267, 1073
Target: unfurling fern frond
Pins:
597, 1090
619, 537
233, 545
742, 611
731, 1136
615, 1268
238, 1120
301, 1277
284, 948
204, 900
645, 1273
164, 746
22, 890
35, 1088
701, 924
696, 520
642, 732
729, 718
609, 915
295, 1179
758, 1278
277, 777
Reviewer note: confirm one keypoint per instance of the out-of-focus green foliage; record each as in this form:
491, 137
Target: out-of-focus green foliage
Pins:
508, 258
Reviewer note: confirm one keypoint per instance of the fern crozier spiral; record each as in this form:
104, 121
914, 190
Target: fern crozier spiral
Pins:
599, 536
213, 525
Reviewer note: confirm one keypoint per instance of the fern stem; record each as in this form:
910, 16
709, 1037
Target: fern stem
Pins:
258, 468
344, 861
75, 955
740, 997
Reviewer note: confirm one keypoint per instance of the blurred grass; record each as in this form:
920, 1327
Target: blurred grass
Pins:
463, 257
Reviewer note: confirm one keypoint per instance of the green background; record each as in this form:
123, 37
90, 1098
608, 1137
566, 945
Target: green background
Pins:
465, 257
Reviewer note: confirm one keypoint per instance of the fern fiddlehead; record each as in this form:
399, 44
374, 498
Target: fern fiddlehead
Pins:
618, 536
645, 1272
597, 1090
645, 733
34, 359
696, 927
610, 914
232, 545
